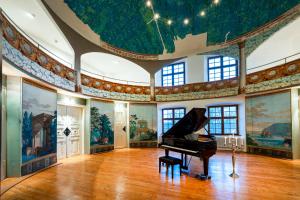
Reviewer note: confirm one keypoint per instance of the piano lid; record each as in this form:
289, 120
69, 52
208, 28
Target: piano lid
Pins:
191, 122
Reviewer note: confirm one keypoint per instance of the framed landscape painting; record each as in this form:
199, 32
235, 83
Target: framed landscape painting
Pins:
268, 121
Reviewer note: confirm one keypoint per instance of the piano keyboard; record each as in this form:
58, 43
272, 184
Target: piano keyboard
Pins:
180, 149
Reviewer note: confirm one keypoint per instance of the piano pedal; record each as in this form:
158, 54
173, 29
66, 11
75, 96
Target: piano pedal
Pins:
203, 177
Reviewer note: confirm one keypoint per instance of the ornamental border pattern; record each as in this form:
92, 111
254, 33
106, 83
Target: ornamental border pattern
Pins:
198, 87
108, 86
128, 54
20, 61
114, 95
198, 95
33, 52
282, 76
280, 83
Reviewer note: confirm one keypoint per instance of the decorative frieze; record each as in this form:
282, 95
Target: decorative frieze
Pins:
286, 75
114, 87
33, 53
199, 95
25, 64
198, 87
114, 95
127, 54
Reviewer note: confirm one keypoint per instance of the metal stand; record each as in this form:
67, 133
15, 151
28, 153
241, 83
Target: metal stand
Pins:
234, 146
233, 174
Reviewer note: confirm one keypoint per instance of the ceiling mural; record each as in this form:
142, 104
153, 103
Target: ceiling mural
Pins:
149, 27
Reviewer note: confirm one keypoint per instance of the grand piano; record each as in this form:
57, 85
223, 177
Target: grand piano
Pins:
180, 139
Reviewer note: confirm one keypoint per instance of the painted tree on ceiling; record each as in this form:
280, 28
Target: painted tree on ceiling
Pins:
123, 24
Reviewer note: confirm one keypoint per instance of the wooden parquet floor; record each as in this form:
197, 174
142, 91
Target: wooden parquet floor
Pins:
133, 174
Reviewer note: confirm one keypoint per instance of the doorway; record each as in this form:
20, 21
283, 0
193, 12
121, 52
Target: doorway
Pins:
120, 125
69, 131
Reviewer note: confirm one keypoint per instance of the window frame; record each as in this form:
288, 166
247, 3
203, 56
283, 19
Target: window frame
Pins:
222, 119
221, 67
173, 116
173, 74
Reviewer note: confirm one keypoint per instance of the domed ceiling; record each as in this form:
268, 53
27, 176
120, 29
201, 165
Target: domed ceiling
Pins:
131, 24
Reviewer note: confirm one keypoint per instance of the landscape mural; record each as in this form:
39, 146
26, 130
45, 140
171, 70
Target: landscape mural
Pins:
39, 123
102, 119
268, 121
142, 122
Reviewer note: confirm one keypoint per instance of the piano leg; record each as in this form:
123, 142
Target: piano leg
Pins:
205, 176
184, 161
166, 152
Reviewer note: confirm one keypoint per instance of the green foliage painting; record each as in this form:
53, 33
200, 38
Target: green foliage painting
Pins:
142, 122
101, 125
124, 24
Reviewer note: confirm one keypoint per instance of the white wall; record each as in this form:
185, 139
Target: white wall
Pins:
239, 100
283, 43
195, 70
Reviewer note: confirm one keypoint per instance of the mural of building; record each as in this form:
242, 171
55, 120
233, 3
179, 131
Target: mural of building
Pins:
142, 125
39, 128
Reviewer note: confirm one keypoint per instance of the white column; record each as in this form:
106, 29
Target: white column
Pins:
152, 87
77, 68
295, 123
242, 67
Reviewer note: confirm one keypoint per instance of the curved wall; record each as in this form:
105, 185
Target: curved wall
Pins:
281, 44
32, 60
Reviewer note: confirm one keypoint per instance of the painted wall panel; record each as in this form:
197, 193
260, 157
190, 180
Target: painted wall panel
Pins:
39, 128
142, 125
268, 122
101, 126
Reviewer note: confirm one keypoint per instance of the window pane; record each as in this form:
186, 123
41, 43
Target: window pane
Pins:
173, 74
178, 113
230, 111
227, 68
168, 114
167, 124
215, 112
223, 123
167, 80
230, 126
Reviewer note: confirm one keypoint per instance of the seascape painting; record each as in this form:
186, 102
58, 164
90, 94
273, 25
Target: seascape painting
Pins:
39, 122
268, 121
102, 123
142, 122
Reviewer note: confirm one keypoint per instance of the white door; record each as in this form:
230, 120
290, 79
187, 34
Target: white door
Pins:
120, 122
68, 118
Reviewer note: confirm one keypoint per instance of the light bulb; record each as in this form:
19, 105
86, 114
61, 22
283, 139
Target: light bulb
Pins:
202, 13
156, 16
148, 3
216, 1
169, 22
186, 21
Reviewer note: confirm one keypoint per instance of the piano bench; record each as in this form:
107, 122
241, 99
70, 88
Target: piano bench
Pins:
168, 160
